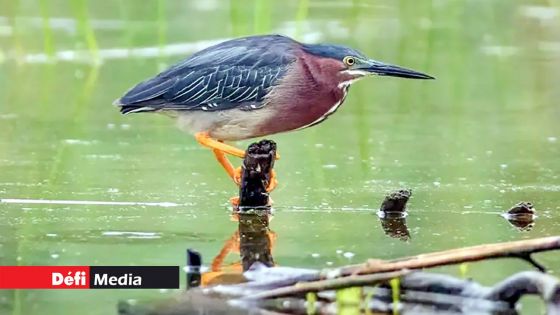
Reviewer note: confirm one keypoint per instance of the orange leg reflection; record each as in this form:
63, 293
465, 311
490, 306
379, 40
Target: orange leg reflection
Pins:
233, 272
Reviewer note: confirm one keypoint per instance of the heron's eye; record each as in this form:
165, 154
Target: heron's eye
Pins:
349, 60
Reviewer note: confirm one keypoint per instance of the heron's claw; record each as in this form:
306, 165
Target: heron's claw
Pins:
237, 176
272, 182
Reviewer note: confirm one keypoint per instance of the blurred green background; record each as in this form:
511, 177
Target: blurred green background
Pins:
480, 138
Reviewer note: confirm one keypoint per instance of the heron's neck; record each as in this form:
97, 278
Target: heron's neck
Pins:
323, 72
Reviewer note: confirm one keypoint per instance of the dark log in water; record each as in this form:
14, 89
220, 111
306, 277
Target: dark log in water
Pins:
522, 208
395, 202
254, 204
392, 214
256, 172
521, 216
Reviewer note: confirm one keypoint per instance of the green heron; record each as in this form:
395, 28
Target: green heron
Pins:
255, 86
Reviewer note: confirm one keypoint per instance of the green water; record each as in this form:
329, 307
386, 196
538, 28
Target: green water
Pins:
480, 138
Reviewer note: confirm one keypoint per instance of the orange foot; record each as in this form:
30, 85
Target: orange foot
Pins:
220, 150
272, 183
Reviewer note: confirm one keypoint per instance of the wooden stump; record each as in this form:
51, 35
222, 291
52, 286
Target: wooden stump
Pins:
392, 214
254, 204
395, 202
521, 216
256, 170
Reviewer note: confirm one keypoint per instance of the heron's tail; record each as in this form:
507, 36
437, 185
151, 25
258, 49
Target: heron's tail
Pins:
134, 108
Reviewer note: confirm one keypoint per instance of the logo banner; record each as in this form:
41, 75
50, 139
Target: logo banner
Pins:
89, 277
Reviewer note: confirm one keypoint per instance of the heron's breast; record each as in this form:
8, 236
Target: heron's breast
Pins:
323, 110
302, 110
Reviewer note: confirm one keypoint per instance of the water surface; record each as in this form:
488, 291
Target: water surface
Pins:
480, 138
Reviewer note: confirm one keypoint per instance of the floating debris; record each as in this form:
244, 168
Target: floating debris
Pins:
522, 209
521, 216
395, 203
392, 214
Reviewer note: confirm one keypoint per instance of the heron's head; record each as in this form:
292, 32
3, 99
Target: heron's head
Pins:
351, 65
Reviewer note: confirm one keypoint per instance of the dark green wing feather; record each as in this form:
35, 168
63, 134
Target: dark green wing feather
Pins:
234, 74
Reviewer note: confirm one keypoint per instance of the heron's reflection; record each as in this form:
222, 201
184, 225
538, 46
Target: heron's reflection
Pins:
252, 240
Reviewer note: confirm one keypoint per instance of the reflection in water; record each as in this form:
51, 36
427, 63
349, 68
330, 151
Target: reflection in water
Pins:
253, 240
522, 225
395, 226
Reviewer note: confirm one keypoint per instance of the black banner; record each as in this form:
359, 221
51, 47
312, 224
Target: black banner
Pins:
134, 277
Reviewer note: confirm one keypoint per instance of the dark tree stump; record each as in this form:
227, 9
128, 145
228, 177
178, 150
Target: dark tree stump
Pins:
254, 204
522, 208
395, 202
392, 214
257, 165
521, 216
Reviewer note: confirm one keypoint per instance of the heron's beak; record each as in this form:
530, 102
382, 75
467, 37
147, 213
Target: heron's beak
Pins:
380, 68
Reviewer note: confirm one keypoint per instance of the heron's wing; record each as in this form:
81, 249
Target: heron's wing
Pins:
234, 74
222, 88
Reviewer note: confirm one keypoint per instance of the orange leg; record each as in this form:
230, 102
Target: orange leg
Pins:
204, 139
232, 244
220, 150
226, 164
272, 183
